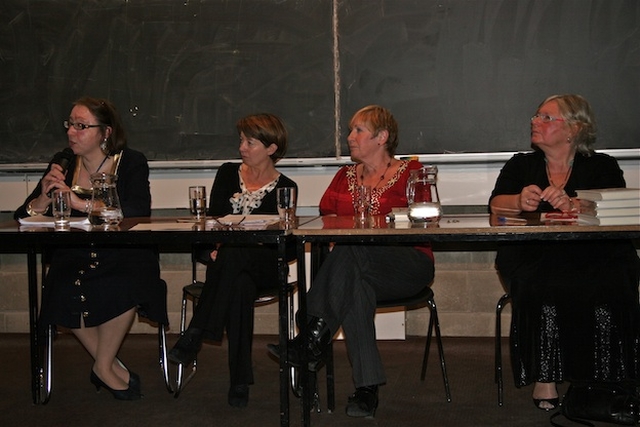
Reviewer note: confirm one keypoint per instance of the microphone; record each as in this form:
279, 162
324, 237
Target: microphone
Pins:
62, 158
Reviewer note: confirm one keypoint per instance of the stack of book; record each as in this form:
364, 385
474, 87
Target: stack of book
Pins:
610, 206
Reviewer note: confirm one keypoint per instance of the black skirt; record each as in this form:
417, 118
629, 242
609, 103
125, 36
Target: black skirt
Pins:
99, 284
575, 310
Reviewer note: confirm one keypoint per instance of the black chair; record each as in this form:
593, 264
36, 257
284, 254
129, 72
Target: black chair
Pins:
504, 299
425, 296
46, 372
192, 292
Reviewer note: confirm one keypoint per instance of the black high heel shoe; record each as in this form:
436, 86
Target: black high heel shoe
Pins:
128, 394
134, 379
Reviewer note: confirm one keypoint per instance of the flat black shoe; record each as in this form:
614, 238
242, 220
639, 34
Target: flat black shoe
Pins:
238, 395
187, 348
364, 402
128, 394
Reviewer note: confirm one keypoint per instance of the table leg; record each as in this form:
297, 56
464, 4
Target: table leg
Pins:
283, 332
302, 326
36, 362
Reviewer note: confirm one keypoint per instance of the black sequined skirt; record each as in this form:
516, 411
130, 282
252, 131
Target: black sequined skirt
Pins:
575, 310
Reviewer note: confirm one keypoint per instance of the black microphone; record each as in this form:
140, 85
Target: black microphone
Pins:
62, 158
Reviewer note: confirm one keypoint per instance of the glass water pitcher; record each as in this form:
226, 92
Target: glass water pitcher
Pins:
422, 196
105, 205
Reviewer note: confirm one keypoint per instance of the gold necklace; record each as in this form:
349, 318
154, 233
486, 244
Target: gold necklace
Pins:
566, 177
381, 176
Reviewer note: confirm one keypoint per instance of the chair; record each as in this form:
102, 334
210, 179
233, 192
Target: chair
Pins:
504, 299
193, 291
425, 296
46, 371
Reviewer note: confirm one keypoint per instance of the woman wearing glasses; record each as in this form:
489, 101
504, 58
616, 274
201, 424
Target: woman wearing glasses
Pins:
575, 312
91, 290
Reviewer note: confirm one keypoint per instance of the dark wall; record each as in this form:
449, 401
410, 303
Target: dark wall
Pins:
459, 75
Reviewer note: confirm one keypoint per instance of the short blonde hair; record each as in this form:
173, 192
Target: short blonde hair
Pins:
378, 118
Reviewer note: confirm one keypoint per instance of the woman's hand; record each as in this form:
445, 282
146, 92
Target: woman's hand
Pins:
53, 179
557, 198
530, 198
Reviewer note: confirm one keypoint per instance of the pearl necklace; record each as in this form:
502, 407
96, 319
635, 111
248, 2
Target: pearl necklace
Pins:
381, 176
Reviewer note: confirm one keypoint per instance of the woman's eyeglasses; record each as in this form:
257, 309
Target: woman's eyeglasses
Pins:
545, 118
77, 126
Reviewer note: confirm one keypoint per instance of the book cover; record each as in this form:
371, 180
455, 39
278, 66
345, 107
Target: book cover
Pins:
609, 194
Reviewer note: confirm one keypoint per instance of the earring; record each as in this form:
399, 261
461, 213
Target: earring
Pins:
103, 145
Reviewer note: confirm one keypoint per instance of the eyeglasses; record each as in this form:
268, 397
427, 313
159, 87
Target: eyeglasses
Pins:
78, 126
545, 118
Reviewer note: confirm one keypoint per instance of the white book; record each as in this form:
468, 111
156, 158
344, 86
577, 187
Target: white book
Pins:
600, 213
609, 194
607, 204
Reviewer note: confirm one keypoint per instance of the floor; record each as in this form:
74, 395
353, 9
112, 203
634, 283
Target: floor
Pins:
404, 400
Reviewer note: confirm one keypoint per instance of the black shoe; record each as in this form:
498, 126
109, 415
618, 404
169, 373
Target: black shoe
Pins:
134, 379
128, 394
238, 395
187, 347
364, 402
547, 404
313, 347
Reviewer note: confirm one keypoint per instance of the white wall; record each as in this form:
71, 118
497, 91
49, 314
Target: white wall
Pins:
466, 181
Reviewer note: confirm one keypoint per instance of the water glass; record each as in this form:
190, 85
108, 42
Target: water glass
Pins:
286, 199
362, 202
61, 208
198, 201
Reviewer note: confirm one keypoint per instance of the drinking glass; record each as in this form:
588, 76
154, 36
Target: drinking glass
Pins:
286, 198
61, 208
362, 202
198, 201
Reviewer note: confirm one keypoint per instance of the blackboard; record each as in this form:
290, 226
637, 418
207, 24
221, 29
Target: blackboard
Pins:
459, 75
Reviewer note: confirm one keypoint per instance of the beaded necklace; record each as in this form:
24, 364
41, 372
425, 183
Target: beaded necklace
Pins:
381, 176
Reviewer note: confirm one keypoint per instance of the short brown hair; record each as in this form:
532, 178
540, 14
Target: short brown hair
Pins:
266, 128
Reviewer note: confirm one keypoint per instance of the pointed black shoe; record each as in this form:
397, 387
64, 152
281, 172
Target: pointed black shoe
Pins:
313, 346
128, 394
187, 347
364, 402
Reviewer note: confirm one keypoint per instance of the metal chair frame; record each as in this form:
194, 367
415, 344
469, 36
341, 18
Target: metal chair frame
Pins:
504, 299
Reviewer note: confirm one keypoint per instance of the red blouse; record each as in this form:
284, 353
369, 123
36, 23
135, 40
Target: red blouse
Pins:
338, 199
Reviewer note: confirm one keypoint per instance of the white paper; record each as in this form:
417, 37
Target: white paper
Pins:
244, 221
47, 221
162, 226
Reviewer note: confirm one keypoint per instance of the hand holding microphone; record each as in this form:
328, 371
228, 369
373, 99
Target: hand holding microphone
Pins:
63, 159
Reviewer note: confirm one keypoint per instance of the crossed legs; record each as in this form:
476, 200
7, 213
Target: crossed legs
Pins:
103, 343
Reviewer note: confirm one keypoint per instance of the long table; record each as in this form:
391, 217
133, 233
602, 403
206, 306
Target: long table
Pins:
165, 234
472, 231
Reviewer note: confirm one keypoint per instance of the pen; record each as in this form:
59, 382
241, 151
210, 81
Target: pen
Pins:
504, 220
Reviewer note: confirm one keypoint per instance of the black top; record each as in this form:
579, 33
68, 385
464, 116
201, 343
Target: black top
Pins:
96, 283
227, 183
132, 185
596, 171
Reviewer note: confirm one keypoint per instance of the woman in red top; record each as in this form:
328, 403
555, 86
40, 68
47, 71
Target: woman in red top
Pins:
354, 277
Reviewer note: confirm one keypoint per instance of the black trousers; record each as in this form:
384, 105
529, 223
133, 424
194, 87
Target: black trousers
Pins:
347, 287
233, 282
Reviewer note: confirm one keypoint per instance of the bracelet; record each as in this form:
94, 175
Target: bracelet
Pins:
86, 206
30, 210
